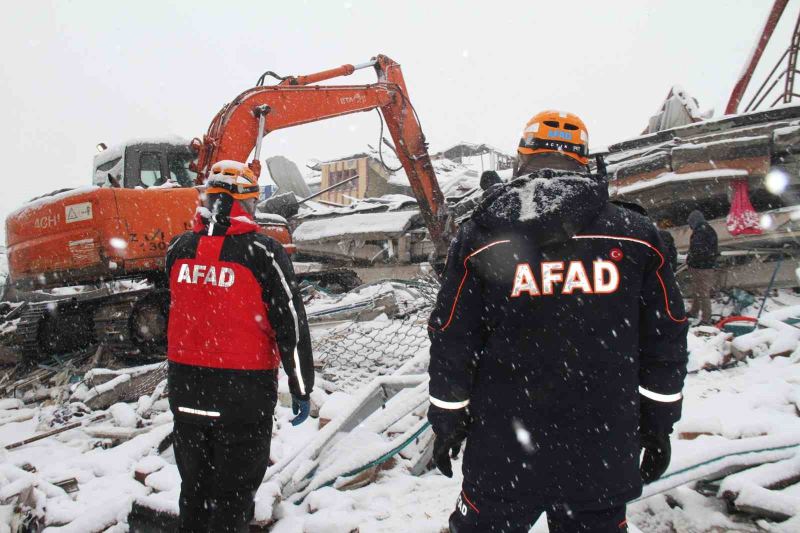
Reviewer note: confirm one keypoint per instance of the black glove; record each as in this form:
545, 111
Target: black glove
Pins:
657, 453
489, 178
655, 425
450, 428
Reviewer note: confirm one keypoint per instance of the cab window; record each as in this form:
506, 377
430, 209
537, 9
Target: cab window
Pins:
150, 170
178, 164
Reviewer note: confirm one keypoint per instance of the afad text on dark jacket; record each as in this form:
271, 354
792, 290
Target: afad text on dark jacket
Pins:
555, 308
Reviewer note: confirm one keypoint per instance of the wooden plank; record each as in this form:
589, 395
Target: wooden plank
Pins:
755, 166
69, 485
53, 432
632, 171
635, 178
751, 154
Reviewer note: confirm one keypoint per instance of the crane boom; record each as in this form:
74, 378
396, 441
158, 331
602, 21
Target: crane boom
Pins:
235, 130
775, 14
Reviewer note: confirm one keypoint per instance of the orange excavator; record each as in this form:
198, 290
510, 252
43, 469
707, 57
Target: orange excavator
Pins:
88, 264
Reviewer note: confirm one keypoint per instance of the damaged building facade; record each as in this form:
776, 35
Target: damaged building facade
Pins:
740, 171
368, 179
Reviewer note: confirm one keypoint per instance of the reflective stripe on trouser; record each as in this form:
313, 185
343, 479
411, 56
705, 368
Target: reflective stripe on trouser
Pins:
448, 405
655, 396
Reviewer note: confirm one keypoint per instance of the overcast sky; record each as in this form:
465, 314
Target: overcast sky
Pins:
75, 73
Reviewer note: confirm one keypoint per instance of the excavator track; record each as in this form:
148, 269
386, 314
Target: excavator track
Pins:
118, 325
28, 329
112, 327
129, 324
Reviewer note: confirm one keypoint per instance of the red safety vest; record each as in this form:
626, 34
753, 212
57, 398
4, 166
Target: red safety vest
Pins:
217, 315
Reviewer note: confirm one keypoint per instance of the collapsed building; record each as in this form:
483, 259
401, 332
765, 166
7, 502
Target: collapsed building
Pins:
740, 171
372, 225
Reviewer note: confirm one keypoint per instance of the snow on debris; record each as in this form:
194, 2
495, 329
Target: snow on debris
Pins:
674, 177
740, 425
454, 177
387, 222
387, 202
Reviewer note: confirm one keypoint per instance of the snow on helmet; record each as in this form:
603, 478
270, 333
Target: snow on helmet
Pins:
556, 131
234, 179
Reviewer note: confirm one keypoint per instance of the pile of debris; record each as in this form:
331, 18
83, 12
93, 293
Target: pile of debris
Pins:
88, 449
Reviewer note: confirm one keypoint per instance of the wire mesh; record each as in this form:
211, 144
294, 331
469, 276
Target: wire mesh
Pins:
147, 383
354, 355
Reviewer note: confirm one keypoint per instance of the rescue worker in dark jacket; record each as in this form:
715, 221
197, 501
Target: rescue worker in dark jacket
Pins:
235, 315
558, 347
670, 251
702, 258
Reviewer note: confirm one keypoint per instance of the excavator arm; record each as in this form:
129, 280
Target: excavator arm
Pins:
240, 126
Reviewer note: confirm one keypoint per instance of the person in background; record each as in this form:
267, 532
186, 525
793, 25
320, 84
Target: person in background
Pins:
702, 260
670, 252
235, 315
667, 245
558, 347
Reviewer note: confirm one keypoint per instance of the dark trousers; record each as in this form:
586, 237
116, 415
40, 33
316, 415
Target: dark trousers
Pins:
476, 513
221, 468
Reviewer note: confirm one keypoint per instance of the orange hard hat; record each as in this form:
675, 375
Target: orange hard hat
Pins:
556, 131
233, 178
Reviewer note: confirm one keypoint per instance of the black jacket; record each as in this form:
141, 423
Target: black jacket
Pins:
703, 249
551, 369
235, 314
670, 252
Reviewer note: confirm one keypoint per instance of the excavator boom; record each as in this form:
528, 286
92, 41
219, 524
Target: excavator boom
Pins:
239, 127
113, 239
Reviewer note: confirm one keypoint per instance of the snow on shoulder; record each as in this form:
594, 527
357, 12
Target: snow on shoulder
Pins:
554, 192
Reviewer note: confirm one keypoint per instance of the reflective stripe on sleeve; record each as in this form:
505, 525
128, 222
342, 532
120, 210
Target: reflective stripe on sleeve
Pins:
666, 398
449, 405
191, 411
296, 356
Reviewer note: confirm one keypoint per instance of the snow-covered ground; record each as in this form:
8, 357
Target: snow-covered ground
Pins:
753, 405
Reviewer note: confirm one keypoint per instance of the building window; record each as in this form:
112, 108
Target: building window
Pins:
338, 176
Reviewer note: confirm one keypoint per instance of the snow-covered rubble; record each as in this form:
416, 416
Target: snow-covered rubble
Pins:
357, 466
391, 222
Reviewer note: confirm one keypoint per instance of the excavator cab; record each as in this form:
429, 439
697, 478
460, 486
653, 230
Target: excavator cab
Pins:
145, 164
108, 243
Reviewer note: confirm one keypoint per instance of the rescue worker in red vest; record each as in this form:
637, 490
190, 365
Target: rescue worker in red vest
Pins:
235, 315
558, 347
